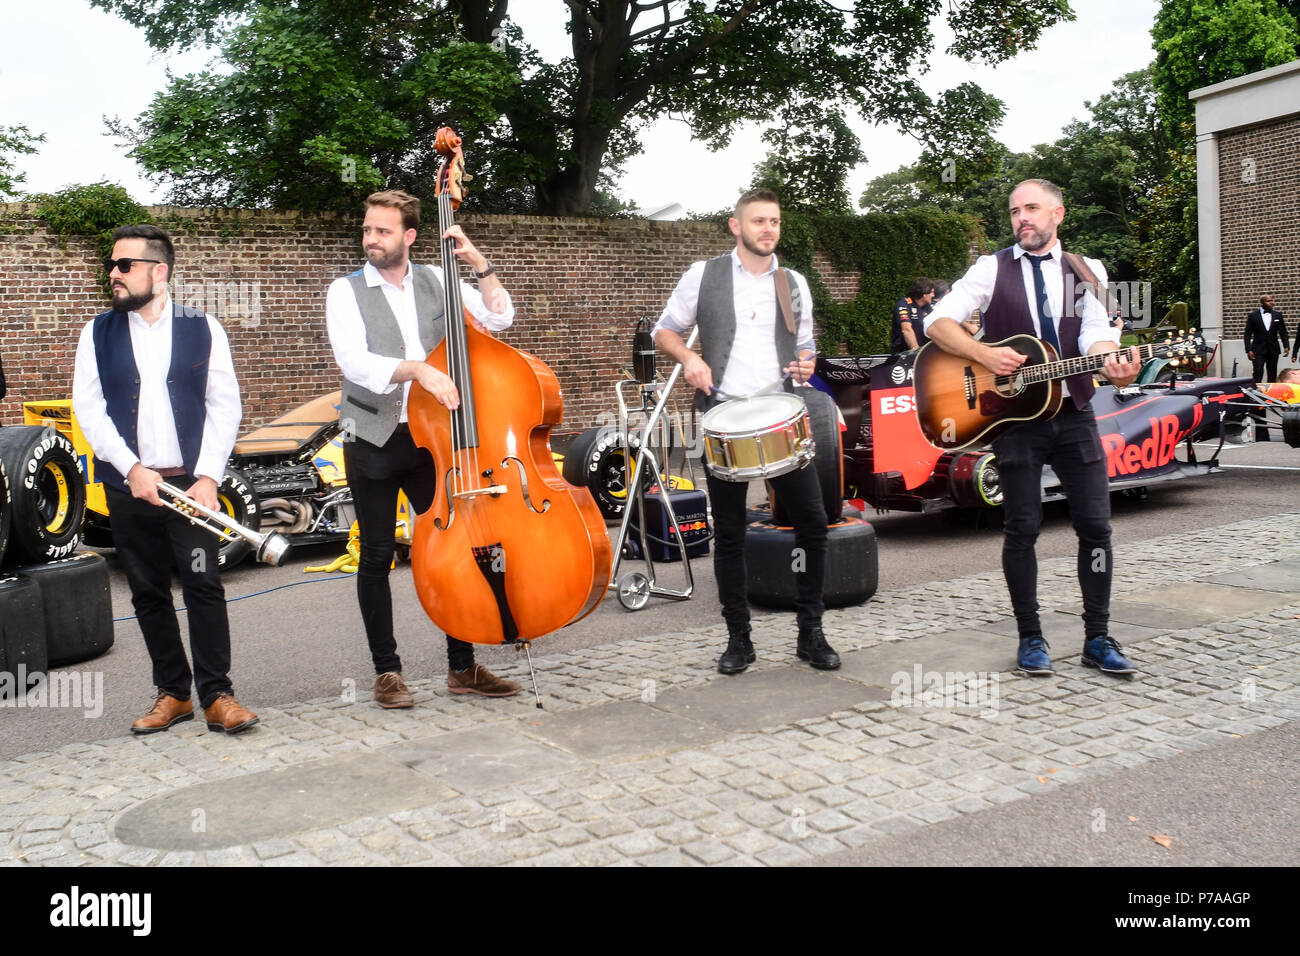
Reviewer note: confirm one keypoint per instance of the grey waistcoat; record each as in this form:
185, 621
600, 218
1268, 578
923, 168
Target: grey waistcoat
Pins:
374, 417
716, 316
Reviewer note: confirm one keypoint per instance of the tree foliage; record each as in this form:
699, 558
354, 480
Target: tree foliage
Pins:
1167, 257
1106, 164
1201, 42
305, 87
15, 141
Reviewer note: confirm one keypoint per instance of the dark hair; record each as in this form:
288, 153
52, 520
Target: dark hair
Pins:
404, 202
941, 288
157, 243
919, 287
755, 195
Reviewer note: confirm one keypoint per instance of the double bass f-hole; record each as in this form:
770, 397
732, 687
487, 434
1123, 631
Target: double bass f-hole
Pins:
523, 486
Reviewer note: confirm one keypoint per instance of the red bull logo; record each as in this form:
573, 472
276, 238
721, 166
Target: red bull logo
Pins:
1150, 453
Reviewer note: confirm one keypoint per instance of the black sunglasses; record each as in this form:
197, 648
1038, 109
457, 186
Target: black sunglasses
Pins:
124, 264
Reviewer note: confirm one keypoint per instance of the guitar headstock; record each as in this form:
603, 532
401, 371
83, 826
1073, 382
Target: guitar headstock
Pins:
1186, 348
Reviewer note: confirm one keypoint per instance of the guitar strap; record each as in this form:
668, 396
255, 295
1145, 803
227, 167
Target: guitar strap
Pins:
783, 299
1083, 272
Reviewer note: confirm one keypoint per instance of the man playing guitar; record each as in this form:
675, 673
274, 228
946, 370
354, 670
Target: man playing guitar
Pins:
1031, 289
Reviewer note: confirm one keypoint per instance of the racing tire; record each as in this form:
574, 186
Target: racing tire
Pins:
852, 564
78, 611
47, 494
1291, 426
595, 461
22, 633
4, 512
828, 462
237, 500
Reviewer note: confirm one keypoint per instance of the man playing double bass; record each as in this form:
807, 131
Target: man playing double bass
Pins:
746, 347
383, 320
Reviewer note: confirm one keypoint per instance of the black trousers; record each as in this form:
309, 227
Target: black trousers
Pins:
376, 474
1261, 364
1071, 445
802, 496
149, 539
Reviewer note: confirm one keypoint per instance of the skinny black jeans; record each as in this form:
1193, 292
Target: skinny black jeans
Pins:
1070, 444
376, 474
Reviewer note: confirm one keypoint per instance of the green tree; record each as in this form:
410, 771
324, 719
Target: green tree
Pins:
15, 141
306, 87
1167, 257
1201, 42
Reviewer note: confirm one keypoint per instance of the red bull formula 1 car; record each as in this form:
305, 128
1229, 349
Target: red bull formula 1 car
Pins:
1147, 431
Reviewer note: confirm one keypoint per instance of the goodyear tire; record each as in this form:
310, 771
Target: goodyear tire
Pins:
47, 494
22, 633
828, 462
237, 500
77, 608
4, 513
852, 564
595, 461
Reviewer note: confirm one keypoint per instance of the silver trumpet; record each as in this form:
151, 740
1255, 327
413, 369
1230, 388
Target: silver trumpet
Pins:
271, 548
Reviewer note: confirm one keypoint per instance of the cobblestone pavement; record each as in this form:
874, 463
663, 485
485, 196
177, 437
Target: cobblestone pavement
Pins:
645, 755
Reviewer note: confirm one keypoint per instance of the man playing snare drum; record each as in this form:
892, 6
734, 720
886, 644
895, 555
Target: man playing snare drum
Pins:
749, 343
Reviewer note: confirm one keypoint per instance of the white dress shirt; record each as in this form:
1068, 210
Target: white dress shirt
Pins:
974, 291
347, 330
156, 436
754, 364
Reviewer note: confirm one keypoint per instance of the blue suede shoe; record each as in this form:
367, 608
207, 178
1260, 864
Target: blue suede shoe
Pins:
1033, 657
1102, 652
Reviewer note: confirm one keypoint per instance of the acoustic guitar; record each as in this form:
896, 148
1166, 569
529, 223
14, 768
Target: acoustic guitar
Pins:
959, 402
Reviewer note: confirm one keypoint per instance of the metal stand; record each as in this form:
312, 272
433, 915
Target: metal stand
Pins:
635, 588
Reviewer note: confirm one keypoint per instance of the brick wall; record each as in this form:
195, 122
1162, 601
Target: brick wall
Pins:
1259, 196
579, 285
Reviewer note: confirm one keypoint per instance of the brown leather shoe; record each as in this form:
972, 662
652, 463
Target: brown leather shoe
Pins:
226, 713
479, 680
167, 710
391, 691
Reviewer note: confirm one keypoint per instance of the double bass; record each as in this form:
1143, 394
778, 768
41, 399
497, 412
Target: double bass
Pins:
508, 550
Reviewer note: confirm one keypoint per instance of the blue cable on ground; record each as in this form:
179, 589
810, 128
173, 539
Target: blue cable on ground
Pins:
280, 587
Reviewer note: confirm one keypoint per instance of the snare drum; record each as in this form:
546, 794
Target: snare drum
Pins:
758, 437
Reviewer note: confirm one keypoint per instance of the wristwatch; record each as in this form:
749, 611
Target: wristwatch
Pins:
486, 272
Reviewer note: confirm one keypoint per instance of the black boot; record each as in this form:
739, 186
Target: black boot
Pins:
738, 655
813, 648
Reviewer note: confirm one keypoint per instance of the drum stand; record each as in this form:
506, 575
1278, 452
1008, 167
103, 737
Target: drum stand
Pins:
635, 588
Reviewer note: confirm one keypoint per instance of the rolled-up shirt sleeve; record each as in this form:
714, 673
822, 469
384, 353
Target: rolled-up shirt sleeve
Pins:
679, 314
806, 342
472, 299
347, 334
91, 409
224, 409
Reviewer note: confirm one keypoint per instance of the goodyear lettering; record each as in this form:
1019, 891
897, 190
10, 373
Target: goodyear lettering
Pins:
1155, 451
893, 404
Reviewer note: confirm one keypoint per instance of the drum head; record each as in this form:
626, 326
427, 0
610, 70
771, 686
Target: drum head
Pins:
749, 414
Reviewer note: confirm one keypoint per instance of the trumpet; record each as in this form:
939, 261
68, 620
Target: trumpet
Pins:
271, 548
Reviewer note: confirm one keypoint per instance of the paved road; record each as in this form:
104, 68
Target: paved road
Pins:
305, 640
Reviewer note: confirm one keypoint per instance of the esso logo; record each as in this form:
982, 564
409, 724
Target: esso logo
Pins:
893, 404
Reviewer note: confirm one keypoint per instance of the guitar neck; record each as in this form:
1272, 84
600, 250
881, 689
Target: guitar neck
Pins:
1080, 365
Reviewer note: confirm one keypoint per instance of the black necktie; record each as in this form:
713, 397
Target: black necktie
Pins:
1044, 319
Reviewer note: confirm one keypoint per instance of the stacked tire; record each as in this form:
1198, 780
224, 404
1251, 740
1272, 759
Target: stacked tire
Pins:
771, 563
54, 605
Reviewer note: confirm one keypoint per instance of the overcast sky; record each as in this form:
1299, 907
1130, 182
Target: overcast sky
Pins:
66, 66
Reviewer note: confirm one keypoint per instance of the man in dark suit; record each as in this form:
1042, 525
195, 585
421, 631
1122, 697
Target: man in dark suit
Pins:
1265, 339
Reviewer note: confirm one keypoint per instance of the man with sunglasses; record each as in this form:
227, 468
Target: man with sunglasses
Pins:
154, 392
